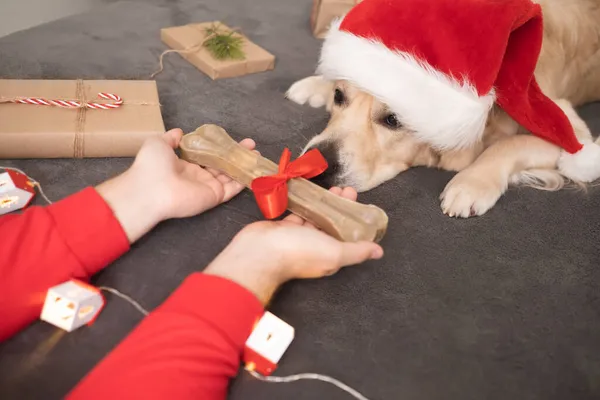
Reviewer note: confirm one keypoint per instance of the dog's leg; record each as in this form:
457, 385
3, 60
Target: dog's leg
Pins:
477, 188
315, 90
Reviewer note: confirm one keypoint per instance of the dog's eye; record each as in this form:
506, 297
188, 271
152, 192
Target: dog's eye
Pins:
339, 97
391, 121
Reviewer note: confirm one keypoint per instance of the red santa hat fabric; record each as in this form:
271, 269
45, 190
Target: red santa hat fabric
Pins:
442, 64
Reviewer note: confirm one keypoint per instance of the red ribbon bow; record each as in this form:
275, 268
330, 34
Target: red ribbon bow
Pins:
271, 192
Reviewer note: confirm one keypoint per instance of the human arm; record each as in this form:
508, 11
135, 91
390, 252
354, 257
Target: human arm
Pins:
83, 233
44, 246
188, 348
191, 346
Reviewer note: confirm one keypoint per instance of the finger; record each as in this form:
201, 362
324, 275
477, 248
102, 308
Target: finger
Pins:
213, 172
224, 179
294, 219
349, 193
231, 189
336, 190
248, 143
309, 225
218, 175
173, 137
358, 252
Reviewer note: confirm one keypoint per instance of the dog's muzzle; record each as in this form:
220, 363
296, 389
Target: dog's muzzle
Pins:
330, 177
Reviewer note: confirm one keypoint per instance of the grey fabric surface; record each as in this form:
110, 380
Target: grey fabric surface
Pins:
498, 307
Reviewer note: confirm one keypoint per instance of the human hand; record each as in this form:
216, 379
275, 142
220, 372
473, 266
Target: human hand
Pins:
184, 189
159, 186
266, 254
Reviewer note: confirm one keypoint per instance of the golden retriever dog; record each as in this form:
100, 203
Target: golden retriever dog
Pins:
366, 145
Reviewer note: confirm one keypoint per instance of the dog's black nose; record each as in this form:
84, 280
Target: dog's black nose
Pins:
331, 154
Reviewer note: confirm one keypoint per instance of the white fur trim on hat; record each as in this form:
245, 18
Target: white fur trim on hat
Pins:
583, 166
441, 111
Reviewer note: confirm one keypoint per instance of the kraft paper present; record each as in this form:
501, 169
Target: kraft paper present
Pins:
187, 41
325, 11
39, 131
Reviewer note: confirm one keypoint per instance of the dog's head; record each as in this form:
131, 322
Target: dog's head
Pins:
415, 97
364, 143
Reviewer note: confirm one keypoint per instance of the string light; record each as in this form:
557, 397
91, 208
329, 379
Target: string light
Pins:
32, 182
297, 377
249, 367
126, 298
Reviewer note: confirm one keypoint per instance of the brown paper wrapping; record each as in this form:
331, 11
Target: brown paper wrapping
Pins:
192, 36
325, 11
37, 131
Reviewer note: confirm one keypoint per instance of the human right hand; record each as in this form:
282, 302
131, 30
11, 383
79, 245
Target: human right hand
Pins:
160, 186
266, 254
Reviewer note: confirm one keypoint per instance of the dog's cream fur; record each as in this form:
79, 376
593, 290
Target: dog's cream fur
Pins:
370, 153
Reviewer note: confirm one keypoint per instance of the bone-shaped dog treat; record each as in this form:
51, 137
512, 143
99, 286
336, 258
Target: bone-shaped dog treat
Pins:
210, 146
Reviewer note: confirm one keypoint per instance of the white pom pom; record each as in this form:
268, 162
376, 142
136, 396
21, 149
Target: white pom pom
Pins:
583, 166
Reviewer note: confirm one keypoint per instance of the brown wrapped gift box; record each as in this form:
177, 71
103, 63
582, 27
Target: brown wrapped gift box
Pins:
38, 131
325, 11
190, 37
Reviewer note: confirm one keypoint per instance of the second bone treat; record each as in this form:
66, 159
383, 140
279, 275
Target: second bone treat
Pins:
210, 146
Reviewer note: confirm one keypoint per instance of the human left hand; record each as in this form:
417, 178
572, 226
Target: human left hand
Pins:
159, 186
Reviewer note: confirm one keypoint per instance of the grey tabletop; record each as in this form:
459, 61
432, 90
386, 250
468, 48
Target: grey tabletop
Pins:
502, 306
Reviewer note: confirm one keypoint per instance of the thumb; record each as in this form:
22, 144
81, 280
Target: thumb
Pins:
356, 253
173, 137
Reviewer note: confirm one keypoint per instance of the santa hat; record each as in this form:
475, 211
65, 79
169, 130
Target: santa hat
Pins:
442, 64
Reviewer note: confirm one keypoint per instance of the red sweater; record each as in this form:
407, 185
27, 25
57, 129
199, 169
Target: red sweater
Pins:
188, 348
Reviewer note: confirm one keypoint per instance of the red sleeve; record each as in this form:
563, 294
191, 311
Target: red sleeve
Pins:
188, 348
45, 246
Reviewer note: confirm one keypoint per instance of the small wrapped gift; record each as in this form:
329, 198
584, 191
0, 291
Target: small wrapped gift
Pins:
325, 11
76, 118
217, 50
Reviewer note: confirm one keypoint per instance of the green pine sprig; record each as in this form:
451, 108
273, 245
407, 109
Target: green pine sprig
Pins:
224, 45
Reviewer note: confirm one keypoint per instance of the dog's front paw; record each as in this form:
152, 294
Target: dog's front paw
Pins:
314, 90
467, 195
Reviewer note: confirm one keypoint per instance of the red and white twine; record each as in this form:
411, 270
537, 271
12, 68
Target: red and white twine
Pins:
73, 103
